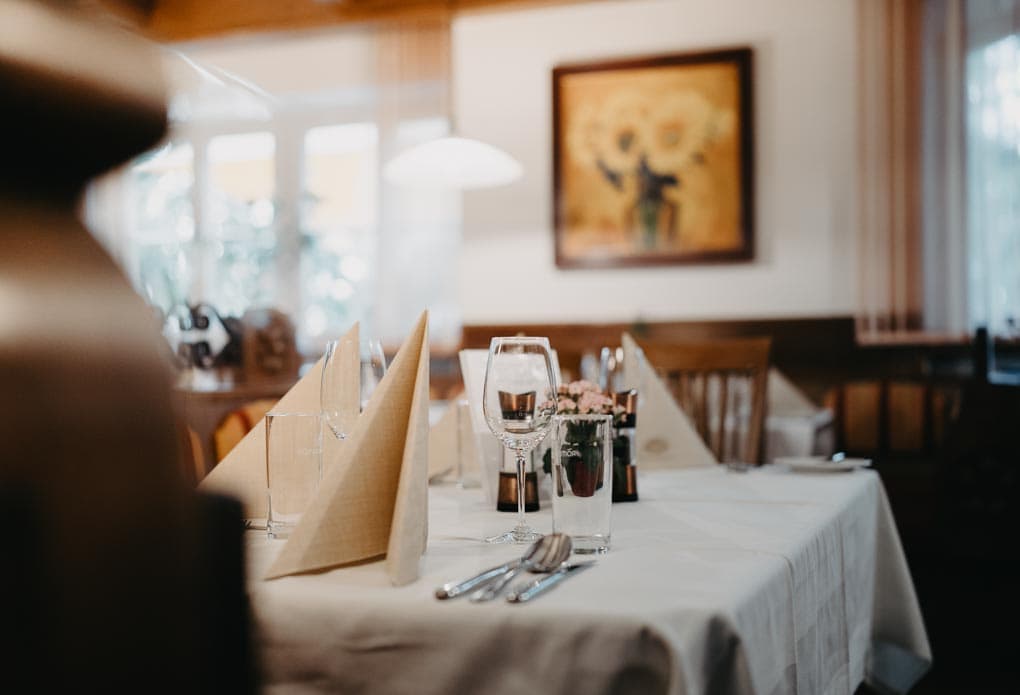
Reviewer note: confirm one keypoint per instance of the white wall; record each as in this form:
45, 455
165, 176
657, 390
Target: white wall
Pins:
804, 175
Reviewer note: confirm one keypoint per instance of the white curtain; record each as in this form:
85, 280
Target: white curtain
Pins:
946, 288
419, 230
889, 166
939, 88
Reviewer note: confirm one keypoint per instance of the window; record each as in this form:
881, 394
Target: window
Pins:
239, 240
338, 224
161, 222
276, 200
993, 184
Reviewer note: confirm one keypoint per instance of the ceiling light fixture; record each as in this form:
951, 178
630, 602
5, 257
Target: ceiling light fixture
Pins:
453, 162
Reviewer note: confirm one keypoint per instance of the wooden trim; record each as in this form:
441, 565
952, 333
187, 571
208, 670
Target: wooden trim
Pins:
796, 343
188, 20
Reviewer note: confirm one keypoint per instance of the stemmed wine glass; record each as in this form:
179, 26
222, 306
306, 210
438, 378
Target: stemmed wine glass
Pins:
339, 406
373, 369
519, 400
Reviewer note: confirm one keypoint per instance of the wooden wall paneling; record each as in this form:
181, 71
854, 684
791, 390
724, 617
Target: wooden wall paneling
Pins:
906, 416
862, 416
808, 350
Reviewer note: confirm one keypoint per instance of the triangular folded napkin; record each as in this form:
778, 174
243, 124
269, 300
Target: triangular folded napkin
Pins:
242, 472
373, 499
444, 444
666, 438
785, 399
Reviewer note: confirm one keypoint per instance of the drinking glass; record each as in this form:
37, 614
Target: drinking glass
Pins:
611, 376
582, 468
293, 467
518, 401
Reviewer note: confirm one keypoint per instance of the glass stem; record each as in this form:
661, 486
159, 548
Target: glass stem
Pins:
521, 462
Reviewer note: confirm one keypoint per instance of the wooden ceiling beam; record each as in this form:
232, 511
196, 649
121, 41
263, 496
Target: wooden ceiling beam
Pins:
184, 20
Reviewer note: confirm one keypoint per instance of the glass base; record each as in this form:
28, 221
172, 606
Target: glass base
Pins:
520, 534
279, 530
591, 545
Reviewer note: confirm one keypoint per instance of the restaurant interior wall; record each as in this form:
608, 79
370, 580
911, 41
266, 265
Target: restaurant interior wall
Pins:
805, 246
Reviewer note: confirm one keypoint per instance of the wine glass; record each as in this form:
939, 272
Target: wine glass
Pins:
519, 400
611, 370
339, 405
373, 369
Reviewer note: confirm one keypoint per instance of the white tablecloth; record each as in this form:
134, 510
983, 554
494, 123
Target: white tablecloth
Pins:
717, 582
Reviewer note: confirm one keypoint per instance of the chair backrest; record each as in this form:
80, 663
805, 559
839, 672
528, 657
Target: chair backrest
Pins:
237, 423
707, 380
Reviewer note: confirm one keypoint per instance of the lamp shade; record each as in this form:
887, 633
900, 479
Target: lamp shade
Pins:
452, 162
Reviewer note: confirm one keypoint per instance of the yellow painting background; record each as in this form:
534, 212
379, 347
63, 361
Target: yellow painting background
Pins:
685, 120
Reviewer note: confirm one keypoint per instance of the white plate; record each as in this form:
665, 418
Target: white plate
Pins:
820, 464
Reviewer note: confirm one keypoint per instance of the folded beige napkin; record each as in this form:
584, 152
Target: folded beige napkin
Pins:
785, 399
373, 499
444, 443
242, 472
666, 438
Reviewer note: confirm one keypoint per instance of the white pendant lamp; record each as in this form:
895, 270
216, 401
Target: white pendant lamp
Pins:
452, 162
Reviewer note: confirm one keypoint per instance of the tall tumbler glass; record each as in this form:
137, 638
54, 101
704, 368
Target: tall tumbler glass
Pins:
582, 467
293, 467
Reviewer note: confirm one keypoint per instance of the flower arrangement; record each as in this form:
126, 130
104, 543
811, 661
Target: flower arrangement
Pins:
583, 398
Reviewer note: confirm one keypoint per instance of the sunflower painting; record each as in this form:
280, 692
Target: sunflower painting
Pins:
652, 160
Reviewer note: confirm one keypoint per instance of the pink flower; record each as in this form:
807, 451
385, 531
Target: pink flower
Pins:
566, 405
576, 388
593, 402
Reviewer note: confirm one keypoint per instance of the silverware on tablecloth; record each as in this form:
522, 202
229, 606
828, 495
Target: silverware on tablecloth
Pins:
544, 555
527, 591
454, 589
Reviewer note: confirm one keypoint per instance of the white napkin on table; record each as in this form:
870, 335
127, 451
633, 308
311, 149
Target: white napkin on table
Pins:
444, 443
785, 399
487, 450
666, 438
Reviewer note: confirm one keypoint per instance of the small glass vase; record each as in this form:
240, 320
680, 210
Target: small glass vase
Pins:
582, 477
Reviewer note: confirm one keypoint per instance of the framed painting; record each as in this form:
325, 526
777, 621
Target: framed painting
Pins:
653, 159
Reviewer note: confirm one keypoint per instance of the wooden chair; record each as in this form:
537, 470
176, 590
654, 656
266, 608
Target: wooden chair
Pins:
237, 423
706, 379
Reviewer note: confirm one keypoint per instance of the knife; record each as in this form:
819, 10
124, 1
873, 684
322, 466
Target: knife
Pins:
526, 592
452, 590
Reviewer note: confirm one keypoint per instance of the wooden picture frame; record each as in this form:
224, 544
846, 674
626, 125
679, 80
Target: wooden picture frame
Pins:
653, 160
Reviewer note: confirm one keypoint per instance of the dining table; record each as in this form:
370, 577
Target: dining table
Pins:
716, 581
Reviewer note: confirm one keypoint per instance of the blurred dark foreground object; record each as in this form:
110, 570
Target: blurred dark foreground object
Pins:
115, 575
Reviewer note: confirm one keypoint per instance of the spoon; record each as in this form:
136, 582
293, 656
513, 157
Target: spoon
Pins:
545, 555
